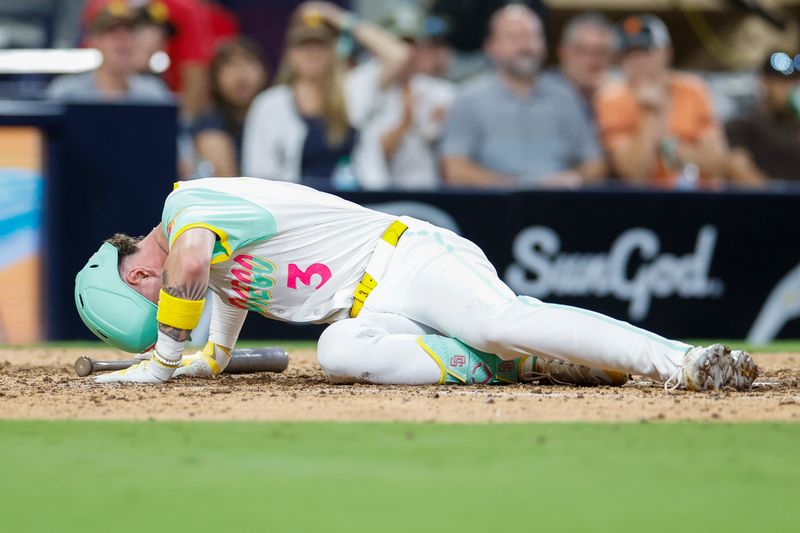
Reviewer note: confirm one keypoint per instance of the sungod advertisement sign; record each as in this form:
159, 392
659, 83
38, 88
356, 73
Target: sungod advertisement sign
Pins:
687, 265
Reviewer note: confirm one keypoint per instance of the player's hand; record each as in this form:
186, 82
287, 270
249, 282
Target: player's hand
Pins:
149, 371
198, 365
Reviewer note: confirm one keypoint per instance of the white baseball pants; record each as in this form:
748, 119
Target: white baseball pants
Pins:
438, 282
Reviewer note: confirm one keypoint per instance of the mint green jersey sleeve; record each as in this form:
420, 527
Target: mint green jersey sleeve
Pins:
235, 221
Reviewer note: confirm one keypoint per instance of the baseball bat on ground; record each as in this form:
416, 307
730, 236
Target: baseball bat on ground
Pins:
243, 361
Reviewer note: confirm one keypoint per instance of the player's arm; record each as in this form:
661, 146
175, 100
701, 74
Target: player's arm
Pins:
180, 304
184, 283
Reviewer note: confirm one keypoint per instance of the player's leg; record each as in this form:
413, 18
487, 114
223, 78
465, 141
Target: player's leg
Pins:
376, 348
446, 282
385, 348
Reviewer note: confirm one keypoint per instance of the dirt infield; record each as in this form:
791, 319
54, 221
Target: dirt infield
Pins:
40, 383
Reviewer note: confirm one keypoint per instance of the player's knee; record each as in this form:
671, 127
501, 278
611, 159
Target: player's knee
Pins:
332, 352
327, 347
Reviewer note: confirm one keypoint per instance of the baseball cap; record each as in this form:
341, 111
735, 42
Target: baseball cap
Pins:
781, 65
106, 16
309, 27
647, 32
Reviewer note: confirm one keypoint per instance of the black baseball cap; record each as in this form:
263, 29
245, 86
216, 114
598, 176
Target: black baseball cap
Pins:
642, 32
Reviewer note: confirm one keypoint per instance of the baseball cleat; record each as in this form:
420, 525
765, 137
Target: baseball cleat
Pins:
745, 370
703, 368
564, 373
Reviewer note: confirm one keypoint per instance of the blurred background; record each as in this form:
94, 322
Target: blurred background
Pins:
636, 158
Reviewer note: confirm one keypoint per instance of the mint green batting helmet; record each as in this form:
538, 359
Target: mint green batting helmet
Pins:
110, 308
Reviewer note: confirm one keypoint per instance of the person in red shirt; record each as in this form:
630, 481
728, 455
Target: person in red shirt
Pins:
224, 26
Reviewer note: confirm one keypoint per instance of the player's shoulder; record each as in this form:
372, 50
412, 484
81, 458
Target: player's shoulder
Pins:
216, 192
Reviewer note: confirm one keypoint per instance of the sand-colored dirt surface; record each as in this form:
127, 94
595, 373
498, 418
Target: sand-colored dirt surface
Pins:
41, 383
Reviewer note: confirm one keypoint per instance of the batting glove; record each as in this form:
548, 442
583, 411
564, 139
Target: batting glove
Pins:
198, 365
150, 371
209, 361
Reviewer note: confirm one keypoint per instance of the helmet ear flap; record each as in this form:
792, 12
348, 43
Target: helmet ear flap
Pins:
111, 309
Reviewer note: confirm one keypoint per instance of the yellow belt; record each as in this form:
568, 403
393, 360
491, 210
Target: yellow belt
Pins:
368, 283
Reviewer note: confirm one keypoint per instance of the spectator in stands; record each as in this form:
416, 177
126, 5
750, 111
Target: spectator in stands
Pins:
657, 125
304, 128
189, 47
238, 74
110, 31
433, 55
766, 143
513, 127
152, 32
585, 54
410, 119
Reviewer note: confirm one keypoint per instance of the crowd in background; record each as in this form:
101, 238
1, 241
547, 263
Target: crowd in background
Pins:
353, 104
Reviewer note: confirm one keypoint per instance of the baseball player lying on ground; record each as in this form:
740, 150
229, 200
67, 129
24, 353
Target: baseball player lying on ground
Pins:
408, 302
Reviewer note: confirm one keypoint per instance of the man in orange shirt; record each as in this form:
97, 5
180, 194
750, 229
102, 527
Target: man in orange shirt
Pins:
657, 125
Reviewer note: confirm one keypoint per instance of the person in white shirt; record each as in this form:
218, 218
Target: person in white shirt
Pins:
305, 128
410, 118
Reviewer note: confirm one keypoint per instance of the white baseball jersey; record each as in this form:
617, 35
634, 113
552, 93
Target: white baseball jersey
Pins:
292, 253
286, 251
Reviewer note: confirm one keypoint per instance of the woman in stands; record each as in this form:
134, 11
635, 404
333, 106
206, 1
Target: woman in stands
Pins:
238, 74
305, 128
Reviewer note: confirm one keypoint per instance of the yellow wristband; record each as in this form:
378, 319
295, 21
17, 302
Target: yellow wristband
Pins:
177, 312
